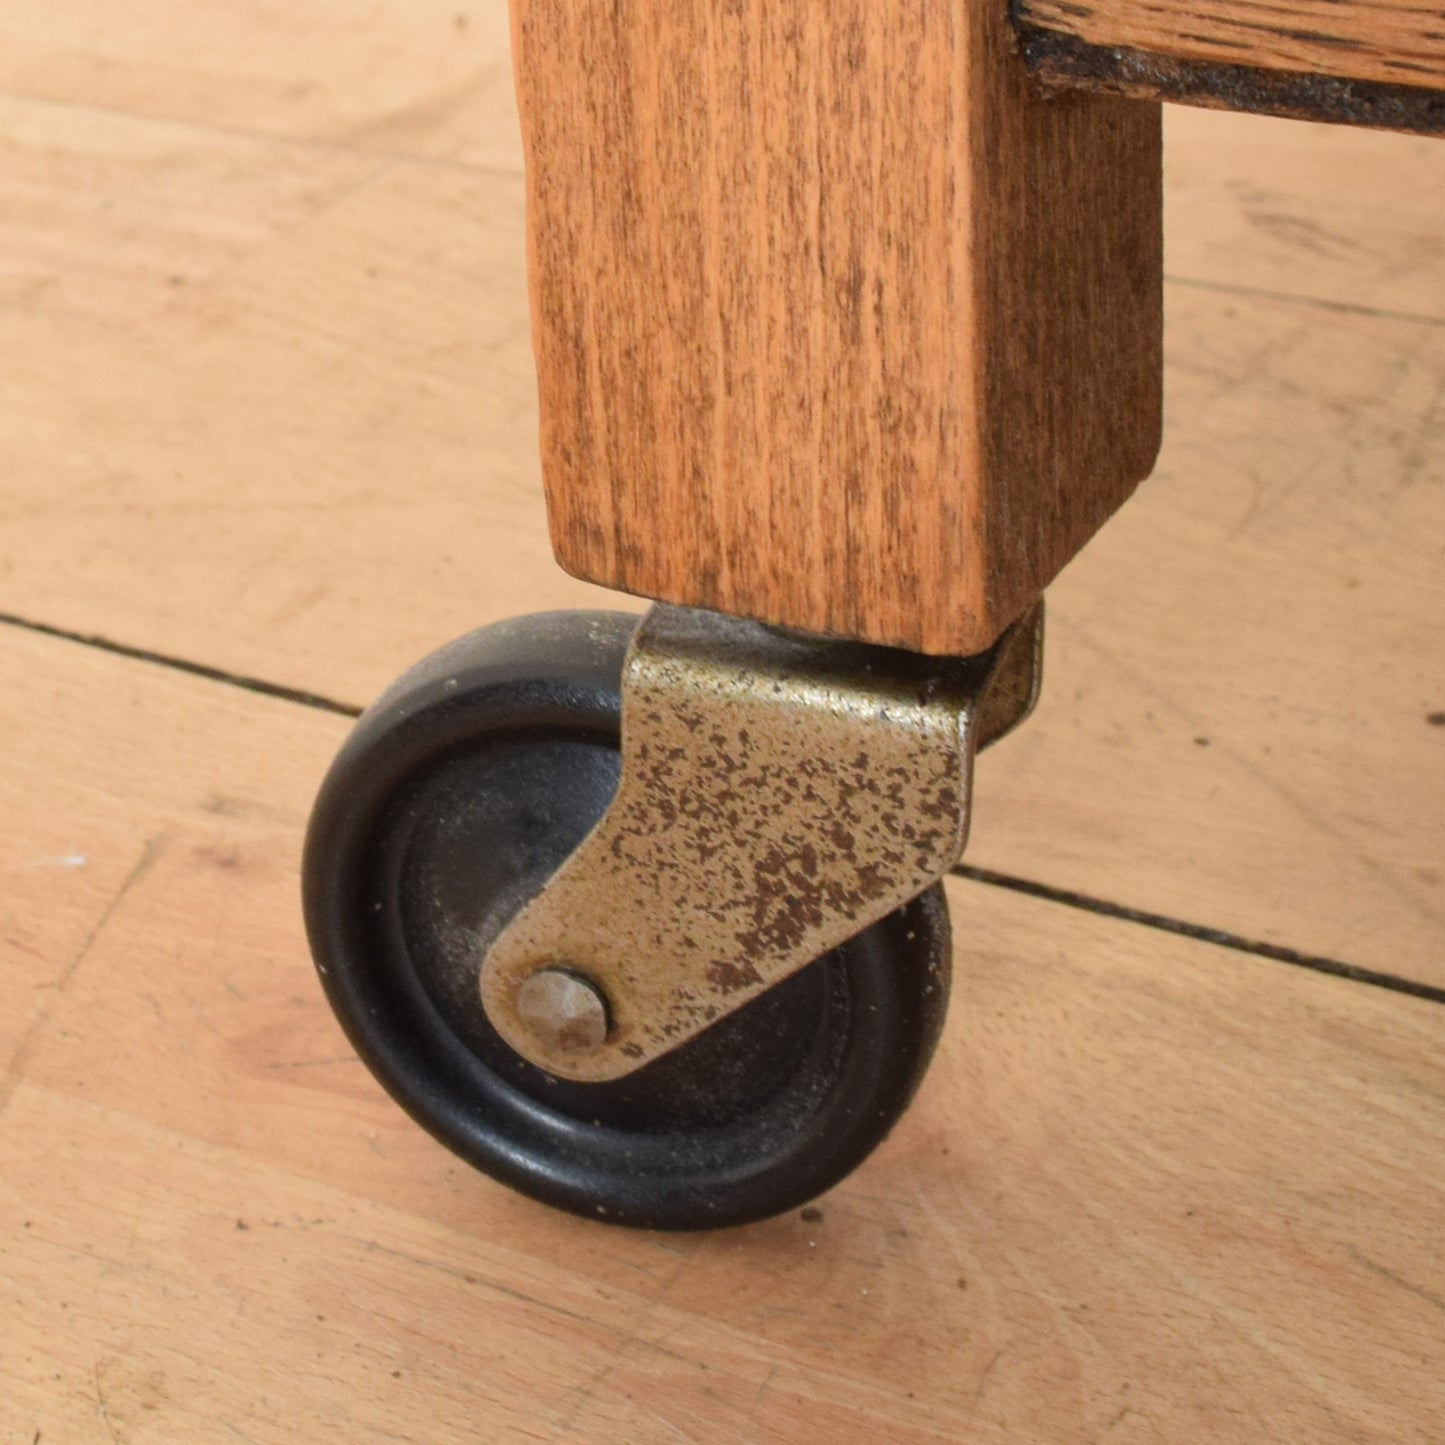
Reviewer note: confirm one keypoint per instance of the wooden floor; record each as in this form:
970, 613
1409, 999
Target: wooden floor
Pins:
266, 407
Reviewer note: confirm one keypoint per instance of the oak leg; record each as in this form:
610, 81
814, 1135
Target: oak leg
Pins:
838, 325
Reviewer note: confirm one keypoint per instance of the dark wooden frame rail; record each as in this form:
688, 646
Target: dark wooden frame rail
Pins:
1378, 64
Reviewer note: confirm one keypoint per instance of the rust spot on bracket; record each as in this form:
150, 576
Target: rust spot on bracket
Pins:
778, 795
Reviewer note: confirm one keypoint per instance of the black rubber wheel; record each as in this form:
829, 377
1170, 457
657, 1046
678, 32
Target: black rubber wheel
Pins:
458, 794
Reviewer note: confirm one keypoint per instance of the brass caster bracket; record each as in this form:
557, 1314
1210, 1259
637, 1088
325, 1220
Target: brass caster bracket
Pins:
779, 794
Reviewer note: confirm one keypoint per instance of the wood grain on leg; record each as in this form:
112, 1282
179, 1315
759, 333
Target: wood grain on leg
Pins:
837, 325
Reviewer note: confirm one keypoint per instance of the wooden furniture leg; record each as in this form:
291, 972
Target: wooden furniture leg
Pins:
838, 325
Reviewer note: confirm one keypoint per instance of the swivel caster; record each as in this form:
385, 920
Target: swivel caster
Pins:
470, 948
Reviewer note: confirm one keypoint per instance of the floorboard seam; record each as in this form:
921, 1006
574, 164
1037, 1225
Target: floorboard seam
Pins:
181, 664
1221, 938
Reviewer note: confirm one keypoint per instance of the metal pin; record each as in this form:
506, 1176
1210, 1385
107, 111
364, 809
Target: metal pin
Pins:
564, 1010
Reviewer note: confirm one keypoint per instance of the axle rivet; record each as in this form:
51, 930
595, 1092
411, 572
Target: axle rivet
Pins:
564, 1010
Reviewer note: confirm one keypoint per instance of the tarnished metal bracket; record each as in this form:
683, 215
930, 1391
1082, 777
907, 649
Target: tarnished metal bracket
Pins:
779, 794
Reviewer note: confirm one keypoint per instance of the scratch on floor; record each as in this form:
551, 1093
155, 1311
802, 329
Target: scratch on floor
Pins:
1397, 1280
100, 1404
15, 1069
466, 1277
315, 1063
761, 1395
982, 1384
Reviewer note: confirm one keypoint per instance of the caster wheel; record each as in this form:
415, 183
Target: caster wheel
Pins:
458, 794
